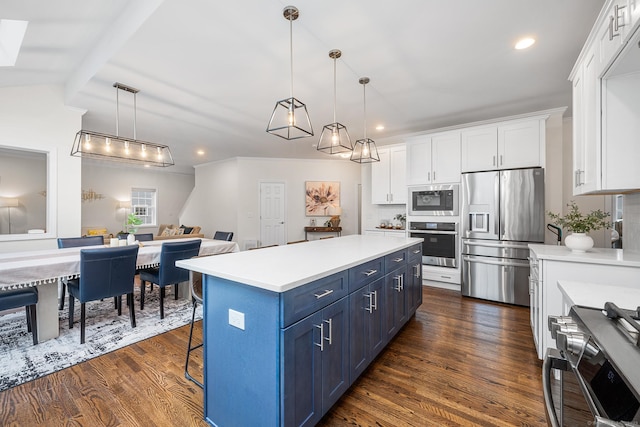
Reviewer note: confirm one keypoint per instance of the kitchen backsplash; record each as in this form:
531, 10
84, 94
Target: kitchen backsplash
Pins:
381, 213
631, 217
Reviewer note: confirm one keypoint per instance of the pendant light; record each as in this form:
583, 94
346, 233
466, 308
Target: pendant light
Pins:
334, 137
365, 150
96, 145
290, 119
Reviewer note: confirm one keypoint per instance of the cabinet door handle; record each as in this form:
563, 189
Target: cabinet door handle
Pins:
501, 162
399, 280
375, 300
494, 161
398, 259
616, 21
417, 270
370, 272
428, 176
324, 294
329, 322
321, 345
370, 296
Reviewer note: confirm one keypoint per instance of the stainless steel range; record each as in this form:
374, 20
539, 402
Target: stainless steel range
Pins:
594, 376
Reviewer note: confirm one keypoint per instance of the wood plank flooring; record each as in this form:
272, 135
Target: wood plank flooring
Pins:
459, 362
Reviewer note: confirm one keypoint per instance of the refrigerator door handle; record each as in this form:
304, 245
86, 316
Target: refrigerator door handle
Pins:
495, 245
496, 261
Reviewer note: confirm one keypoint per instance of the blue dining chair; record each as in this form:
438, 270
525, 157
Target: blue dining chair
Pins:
167, 273
104, 273
76, 242
223, 235
28, 298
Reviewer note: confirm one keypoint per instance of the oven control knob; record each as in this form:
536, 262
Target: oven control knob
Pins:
562, 327
558, 319
571, 342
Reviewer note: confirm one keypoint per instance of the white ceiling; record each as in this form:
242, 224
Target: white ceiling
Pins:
210, 72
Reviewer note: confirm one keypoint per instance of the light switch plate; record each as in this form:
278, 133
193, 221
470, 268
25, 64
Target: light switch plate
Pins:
236, 319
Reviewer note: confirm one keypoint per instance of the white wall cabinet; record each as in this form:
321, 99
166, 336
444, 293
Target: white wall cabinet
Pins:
586, 125
434, 159
388, 177
506, 145
606, 81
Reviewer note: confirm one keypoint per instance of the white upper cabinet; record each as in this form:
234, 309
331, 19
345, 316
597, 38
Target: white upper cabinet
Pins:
388, 177
479, 149
606, 105
434, 159
586, 125
612, 33
505, 145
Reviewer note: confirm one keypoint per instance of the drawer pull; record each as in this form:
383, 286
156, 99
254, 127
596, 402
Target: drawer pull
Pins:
324, 294
369, 273
398, 260
417, 251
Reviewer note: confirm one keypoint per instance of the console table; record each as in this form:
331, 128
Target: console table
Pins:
337, 230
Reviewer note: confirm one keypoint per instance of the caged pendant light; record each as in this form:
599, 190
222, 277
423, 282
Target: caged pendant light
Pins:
96, 145
365, 150
334, 137
290, 119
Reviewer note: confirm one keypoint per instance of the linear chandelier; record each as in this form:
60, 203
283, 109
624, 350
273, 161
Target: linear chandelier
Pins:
334, 137
365, 150
97, 145
290, 118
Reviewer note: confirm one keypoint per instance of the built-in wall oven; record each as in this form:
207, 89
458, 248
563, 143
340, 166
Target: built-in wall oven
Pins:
440, 246
435, 200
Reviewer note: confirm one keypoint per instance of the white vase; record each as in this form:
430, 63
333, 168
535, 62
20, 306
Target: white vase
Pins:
578, 242
131, 238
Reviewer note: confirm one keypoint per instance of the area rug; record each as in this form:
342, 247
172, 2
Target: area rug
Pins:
21, 361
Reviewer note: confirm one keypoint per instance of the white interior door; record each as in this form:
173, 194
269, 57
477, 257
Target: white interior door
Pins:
272, 207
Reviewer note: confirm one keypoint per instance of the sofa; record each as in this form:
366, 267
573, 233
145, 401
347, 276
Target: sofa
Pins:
172, 231
97, 231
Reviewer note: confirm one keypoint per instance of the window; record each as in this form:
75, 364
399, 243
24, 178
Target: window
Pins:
144, 205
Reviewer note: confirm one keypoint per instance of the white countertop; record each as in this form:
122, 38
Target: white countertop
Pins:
281, 268
594, 295
592, 256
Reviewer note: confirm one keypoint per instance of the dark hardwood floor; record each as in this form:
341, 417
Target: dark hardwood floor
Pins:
459, 362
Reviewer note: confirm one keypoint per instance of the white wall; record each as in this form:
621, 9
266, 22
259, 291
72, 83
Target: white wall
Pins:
35, 117
227, 194
114, 182
212, 204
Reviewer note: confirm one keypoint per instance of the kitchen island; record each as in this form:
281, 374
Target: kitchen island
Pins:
550, 264
288, 329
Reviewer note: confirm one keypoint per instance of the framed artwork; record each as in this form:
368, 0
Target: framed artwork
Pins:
321, 197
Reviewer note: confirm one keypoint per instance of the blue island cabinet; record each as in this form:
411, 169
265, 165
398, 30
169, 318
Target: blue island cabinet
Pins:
284, 358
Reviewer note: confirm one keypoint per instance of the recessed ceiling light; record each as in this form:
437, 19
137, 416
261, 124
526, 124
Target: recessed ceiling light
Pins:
380, 127
11, 35
525, 43
200, 152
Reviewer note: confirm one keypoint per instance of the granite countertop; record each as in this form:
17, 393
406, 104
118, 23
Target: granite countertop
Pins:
281, 268
595, 295
592, 256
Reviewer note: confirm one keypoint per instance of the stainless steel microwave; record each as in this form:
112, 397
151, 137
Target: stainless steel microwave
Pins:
436, 200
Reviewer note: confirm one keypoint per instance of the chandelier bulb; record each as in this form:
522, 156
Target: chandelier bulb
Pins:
87, 141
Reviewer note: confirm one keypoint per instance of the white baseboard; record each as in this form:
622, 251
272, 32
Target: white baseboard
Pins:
443, 285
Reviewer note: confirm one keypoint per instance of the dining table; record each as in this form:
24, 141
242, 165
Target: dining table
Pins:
46, 268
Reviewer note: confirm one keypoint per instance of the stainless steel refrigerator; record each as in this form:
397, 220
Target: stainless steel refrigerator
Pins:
502, 212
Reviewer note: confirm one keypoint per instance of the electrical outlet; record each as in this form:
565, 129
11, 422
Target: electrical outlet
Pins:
236, 319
